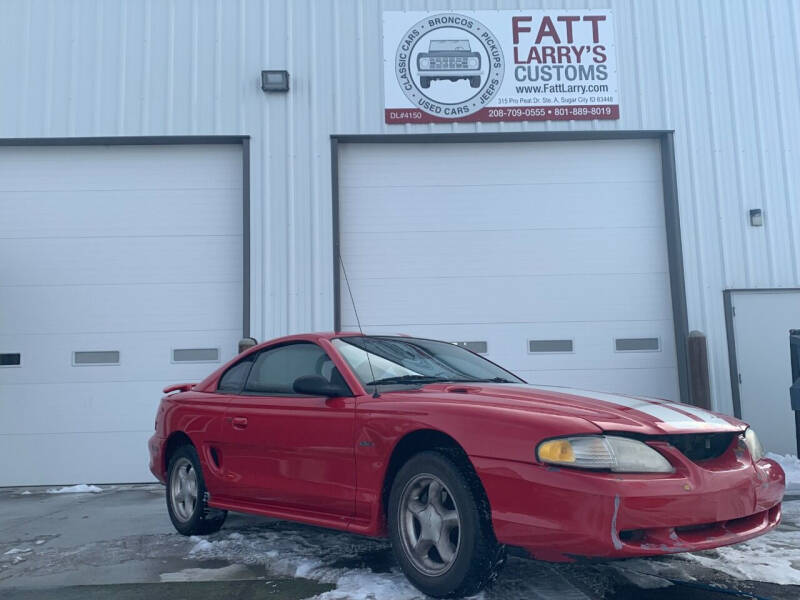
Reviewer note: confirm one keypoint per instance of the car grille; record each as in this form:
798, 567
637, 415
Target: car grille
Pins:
700, 446
448, 62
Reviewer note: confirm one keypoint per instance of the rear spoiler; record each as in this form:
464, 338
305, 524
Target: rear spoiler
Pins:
178, 387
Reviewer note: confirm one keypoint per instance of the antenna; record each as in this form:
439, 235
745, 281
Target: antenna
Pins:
358, 322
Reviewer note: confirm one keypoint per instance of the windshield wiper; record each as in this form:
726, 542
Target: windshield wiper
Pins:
492, 380
407, 379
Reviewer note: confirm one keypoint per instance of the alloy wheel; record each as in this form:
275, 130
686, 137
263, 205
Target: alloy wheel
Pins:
430, 525
183, 489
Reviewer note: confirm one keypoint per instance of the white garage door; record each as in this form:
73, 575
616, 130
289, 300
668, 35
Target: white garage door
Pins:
121, 273
551, 256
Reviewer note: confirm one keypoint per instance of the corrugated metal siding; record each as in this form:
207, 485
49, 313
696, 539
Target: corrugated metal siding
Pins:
154, 67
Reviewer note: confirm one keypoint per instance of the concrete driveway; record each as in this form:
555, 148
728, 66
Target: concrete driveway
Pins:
119, 544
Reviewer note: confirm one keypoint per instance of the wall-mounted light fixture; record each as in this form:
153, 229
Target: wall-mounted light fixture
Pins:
275, 81
756, 217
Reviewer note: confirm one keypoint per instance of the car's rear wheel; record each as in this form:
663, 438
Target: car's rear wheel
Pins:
439, 526
186, 495
475, 82
425, 82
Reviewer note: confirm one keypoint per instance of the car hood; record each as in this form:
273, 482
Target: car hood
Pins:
609, 412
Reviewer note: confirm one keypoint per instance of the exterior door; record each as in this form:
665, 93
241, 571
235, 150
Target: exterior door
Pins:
287, 450
761, 324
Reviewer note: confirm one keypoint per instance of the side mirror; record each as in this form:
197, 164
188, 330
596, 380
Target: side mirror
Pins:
314, 385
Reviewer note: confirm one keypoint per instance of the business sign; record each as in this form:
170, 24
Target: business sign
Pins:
504, 65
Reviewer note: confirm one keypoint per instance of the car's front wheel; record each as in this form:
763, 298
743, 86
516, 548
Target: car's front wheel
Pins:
439, 526
186, 495
425, 82
475, 82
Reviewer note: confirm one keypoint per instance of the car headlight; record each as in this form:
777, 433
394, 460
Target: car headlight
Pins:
753, 445
424, 63
473, 62
618, 454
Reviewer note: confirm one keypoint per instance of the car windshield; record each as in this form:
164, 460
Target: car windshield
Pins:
448, 46
412, 361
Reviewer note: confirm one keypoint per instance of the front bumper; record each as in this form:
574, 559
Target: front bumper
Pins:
566, 514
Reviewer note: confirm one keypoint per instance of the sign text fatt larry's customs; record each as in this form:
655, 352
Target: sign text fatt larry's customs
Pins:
520, 65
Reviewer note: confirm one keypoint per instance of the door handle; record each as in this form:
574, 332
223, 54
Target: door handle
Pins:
239, 422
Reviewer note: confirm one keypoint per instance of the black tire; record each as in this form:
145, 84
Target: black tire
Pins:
425, 82
201, 519
475, 82
478, 557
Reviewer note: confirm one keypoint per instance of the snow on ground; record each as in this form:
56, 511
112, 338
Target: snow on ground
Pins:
791, 466
360, 568
771, 558
363, 569
299, 552
81, 488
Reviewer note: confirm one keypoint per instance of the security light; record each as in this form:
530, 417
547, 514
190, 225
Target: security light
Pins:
756, 217
275, 81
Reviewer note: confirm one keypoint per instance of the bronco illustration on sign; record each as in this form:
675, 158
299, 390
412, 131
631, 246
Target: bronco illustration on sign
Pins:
499, 66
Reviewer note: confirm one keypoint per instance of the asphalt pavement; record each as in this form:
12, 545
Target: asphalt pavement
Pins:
120, 544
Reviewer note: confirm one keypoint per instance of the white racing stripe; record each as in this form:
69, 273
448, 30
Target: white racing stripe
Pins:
707, 416
660, 411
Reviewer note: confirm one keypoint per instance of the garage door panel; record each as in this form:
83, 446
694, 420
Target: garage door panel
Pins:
508, 299
119, 213
475, 254
145, 168
95, 407
504, 163
69, 458
121, 308
48, 359
659, 383
592, 343
510, 207
92, 261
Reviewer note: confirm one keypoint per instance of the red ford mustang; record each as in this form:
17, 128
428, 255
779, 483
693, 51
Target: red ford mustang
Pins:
454, 458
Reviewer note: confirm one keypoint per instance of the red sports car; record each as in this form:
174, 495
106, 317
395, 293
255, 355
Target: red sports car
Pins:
454, 459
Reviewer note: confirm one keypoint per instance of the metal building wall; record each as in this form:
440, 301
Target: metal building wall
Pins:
178, 67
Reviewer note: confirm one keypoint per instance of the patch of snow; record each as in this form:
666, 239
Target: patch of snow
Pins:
791, 466
200, 546
361, 584
25, 493
40, 542
81, 488
773, 558
361, 569
228, 573
17, 551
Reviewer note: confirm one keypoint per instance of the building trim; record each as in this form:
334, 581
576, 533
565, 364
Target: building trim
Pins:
733, 364
337, 268
670, 197
164, 140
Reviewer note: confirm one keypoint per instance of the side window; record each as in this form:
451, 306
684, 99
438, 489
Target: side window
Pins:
233, 379
275, 370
